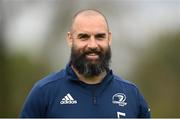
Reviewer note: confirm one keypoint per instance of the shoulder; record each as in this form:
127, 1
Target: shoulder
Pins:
39, 95
120, 81
51, 78
126, 85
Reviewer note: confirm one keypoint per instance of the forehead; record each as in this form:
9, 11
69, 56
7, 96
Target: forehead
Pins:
90, 23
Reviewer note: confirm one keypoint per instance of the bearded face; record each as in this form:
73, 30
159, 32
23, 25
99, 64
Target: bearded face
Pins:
90, 41
90, 67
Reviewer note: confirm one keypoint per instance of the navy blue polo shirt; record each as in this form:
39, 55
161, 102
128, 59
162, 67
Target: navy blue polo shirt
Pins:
62, 95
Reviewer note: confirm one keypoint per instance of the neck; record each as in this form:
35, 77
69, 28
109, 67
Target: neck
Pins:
90, 80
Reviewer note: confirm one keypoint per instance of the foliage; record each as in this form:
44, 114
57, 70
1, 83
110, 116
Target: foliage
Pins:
157, 74
18, 74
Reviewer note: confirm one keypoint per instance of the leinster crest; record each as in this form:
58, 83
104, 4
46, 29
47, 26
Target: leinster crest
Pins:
119, 98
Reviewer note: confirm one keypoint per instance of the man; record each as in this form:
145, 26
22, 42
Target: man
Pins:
86, 88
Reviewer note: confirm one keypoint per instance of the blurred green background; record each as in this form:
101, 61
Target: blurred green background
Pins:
145, 47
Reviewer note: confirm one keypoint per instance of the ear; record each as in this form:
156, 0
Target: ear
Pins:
110, 38
69, 39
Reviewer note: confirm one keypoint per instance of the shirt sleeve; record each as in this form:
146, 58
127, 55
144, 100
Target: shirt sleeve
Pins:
144, 110
34, 104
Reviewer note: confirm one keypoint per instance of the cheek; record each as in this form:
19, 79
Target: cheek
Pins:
79, 44
103, 45
78, 48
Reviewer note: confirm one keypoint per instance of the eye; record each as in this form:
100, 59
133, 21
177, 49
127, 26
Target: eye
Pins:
100, 36
83, 36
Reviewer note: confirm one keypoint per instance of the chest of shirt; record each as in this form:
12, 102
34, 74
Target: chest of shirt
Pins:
88, 103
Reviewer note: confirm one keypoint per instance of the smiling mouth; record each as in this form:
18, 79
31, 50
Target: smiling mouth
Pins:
92, 56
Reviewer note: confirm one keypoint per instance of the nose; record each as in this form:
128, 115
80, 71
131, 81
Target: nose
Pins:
92, 43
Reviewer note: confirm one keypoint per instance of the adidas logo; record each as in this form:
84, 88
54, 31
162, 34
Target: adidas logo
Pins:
68, 99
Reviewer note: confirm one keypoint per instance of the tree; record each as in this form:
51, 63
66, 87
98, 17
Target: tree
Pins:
158, 76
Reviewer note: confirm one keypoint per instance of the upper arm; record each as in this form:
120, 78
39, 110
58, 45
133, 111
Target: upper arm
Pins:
34, 104
144, 110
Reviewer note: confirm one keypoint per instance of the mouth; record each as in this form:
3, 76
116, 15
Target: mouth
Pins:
92, 56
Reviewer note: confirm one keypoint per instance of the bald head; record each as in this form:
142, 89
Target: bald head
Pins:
88, 14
